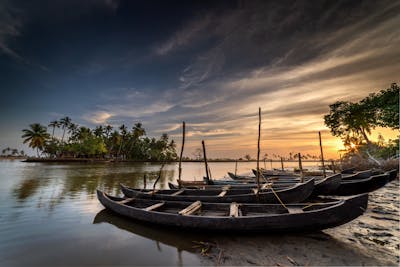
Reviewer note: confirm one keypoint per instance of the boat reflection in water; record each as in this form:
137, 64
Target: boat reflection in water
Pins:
167, 236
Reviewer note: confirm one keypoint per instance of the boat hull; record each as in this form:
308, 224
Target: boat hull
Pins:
327, 217
296, 193
359, 186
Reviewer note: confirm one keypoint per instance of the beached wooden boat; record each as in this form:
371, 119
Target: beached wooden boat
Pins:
230, 186
238, 217
349, 170
357, 175
359, 186
327, 185
295, 193
323, 186
393, 174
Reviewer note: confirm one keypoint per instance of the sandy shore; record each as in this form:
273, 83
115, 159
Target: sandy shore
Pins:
372, 239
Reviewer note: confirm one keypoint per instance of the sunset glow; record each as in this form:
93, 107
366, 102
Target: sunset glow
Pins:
211, 67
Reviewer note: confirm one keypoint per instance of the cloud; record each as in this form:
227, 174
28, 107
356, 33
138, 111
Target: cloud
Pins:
97, 117
291, 60
10, 25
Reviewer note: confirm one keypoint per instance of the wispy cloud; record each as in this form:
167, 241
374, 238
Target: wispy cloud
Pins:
293, 66
10, 25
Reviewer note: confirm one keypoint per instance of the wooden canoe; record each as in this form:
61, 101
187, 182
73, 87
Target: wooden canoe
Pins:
357, 175
359, 186
296, 193
230, 186
238, 217
323, 186
328, 185
392, 174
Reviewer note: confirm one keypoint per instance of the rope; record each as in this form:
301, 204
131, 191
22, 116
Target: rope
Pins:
276, 195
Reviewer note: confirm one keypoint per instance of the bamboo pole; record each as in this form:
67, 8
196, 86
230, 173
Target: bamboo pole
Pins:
236, 162
258, 150
180, 157
322, 154
205, 159
301, 169
282, 164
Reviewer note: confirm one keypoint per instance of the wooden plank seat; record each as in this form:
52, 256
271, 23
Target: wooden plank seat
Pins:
226, 187
223, 193
295, 210
192, 208
155, 206
234, 210
152, 192
127, 200
178, 192
266, 185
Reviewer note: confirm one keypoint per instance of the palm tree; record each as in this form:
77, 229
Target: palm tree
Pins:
98, 131
36, 136
55, 124
108, 130
65, 123
123, 134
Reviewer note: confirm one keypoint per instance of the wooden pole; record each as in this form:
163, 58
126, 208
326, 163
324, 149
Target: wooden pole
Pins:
301, 168
282, 164
236, 167
333, 167
180, 157
159, 176
258, 150
322, 154
271, 163
205, 159
144, 181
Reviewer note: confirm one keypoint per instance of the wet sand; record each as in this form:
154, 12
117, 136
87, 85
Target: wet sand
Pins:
372, 239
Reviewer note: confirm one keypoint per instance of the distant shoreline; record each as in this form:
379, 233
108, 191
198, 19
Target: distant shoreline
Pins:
96, 160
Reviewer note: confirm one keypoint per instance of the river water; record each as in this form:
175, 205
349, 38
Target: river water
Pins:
50, 216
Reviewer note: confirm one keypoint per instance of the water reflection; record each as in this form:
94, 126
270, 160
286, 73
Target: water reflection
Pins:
58, 182
157, 233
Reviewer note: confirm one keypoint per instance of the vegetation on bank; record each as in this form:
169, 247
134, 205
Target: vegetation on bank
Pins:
352, 122
103, 142
9, 152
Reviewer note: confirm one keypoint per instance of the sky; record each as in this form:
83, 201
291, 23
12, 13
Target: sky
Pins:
208, 63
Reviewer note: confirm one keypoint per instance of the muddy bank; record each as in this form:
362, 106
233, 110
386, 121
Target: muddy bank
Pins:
372, 239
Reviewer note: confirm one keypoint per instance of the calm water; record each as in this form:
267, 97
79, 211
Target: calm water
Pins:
49, 215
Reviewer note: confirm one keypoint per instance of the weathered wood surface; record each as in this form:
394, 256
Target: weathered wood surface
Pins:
291, 194
192, 208
246, 217
154, 206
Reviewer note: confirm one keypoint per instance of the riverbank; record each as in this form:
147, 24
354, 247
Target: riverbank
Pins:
90, 160
372, 239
